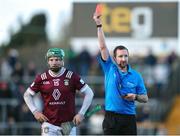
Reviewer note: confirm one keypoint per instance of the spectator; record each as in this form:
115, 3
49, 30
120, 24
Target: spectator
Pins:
13, 57
6, 70
84, 60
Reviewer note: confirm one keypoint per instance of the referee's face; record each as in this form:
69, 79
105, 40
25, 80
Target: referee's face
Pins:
121, 58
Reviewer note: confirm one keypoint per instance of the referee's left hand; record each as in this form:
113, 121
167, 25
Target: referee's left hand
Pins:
130, 97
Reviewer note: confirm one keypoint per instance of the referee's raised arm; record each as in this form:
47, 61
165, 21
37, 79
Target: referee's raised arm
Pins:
101, 38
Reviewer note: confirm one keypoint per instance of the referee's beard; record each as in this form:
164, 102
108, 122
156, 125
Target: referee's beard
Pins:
123, 66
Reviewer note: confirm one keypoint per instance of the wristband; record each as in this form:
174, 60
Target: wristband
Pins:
99, 25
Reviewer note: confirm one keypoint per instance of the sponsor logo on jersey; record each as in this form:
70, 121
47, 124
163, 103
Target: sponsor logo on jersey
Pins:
57, 103
46, 82
56, 94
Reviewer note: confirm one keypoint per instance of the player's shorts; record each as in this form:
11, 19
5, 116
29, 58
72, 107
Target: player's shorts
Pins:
48, 129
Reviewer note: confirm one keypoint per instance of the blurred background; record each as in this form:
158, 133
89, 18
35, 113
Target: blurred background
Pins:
149, 29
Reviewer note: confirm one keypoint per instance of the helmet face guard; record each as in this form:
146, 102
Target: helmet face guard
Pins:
55, 52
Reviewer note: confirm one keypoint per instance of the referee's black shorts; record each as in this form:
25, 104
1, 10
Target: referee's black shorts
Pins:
119, 124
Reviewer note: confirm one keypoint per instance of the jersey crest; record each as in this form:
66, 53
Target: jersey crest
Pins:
66, 82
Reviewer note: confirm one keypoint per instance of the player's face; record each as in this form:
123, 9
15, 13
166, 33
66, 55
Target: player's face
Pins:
121, 58
55, 63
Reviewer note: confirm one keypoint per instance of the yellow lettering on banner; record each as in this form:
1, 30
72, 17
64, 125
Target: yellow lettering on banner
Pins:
126, 20
116, 20
120, 20
106, 11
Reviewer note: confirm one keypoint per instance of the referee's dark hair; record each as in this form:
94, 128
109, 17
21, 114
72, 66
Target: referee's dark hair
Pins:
120, 47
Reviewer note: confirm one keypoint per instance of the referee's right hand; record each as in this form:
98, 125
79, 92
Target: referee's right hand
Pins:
130, 97
97, 18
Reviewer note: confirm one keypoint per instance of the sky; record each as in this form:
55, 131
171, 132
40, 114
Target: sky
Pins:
11, 11
57, 12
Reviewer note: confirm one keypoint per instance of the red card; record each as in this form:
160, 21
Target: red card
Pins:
98, 9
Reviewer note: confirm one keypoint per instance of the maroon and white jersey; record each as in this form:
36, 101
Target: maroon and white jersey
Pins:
58, 94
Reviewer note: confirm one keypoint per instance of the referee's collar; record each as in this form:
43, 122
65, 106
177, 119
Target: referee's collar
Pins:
129, 69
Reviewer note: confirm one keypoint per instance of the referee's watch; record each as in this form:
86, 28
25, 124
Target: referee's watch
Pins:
136, 97
100, 25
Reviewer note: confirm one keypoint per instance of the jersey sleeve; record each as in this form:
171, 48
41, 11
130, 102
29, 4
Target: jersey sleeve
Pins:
78, 82
35, 86
105, 64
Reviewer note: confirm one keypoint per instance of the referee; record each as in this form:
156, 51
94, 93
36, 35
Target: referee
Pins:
123, 86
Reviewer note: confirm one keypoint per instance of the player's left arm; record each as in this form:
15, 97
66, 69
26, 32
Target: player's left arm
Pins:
87, 91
